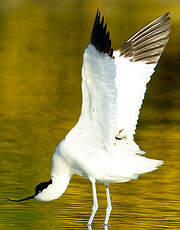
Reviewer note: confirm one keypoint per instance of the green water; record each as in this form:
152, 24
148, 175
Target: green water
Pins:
41, 47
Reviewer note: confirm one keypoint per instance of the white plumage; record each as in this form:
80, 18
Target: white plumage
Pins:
131, 81
101, 146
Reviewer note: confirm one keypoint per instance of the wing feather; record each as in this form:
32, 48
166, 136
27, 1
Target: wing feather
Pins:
135, 61
100, 37
99, 92
114, 83
148, 44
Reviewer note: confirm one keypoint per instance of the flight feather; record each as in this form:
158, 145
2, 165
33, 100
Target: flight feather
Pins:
114, 82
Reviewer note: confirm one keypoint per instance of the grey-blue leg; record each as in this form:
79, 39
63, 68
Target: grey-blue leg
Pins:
95, 202
109, 207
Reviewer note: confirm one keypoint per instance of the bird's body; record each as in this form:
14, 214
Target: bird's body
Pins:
102, 165
101, 146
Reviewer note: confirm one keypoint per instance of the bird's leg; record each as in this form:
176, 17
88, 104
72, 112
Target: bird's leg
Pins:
109, 207
95, 202
89, 227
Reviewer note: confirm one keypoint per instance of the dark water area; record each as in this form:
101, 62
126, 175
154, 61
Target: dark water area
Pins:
41, 48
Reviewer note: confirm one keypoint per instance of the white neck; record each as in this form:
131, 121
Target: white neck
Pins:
54, 190
60, 175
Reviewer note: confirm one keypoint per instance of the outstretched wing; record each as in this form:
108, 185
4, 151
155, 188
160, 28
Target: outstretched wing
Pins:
135, 61
114, 83
99, 106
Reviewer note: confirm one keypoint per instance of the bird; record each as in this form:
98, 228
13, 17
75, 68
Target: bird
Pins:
101, 146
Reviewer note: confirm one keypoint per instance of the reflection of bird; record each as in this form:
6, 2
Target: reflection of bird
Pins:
101, 146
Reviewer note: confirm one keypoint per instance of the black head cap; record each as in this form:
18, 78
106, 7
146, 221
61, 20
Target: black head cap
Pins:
39, 188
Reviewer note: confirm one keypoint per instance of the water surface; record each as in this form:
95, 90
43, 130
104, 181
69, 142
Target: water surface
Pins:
41, 47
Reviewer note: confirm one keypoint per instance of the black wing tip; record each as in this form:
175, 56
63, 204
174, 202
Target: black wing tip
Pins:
166, 16
100, 37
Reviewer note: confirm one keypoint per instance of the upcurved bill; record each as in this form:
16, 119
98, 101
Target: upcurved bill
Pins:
27, 198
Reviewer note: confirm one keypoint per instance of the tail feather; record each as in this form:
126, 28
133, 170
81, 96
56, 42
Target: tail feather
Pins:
133, 166
146, 165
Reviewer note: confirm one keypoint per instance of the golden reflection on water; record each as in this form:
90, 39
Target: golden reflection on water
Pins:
41, 47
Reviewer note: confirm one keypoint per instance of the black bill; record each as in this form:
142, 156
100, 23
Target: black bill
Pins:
27, 198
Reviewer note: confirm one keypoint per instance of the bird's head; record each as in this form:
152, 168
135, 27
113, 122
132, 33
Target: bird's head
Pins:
44, 191
56, 186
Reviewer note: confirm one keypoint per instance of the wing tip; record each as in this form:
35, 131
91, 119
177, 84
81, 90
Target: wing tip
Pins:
166, 15
100, 37
148, 44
